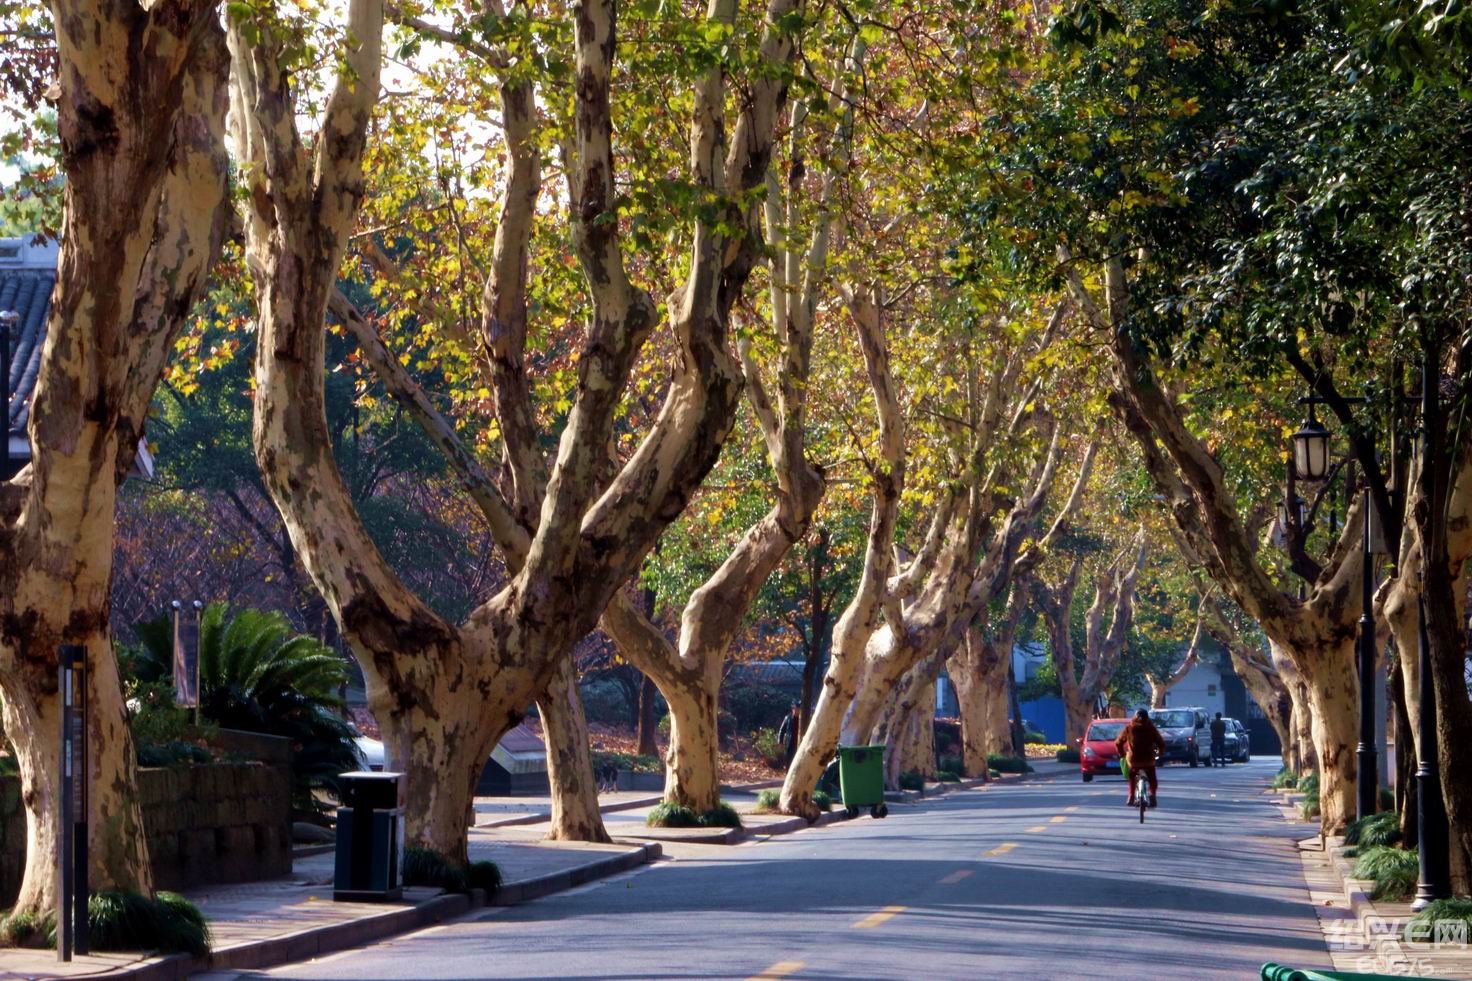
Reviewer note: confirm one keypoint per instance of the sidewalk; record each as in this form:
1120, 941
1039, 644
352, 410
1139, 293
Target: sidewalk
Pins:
1364, 935
258, 924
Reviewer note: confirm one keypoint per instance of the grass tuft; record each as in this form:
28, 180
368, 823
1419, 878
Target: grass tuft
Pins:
1377, 829
767, 800
1393, 871
670, 815
823, 800
912, 780
427, 867
1285, 779
484, 875
28, 929
1067, 754
131, 921
948, 776
1423, 926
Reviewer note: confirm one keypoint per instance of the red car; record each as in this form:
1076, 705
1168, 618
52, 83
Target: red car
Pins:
1096, 749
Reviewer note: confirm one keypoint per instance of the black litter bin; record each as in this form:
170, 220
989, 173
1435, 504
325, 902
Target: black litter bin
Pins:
370, 838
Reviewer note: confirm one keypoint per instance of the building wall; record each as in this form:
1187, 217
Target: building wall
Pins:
1201, 686
212, 823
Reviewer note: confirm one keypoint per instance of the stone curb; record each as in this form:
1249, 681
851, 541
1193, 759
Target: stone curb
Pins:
314, 942
626, 805
546, 885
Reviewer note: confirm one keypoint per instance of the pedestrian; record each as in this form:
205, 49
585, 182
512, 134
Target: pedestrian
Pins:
1218, 741
787, 733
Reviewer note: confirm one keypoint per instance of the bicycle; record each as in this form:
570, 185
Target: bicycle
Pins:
1143, 799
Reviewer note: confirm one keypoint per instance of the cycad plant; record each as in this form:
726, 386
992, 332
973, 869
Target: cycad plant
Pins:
256, 674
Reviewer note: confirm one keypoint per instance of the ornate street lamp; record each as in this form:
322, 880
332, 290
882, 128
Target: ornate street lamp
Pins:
1311, 449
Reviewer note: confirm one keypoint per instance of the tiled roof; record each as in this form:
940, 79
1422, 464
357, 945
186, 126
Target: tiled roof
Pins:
28, 293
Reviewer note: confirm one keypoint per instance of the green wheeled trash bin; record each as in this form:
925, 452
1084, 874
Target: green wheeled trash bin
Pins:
861, 778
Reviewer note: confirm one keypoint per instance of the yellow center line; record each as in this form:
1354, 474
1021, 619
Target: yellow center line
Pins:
778, 970
955, 877
1041, 827
1001, 849
1058, 819
875, 919
1071, 808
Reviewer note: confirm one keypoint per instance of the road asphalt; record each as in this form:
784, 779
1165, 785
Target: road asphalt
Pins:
1052, 878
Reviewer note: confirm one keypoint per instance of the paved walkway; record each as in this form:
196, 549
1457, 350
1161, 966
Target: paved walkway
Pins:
277, 910
1052, 879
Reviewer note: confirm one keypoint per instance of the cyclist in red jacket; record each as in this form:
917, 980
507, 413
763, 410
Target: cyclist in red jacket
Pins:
1140, 743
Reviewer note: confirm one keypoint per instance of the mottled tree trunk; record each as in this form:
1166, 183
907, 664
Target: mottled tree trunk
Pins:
575, 813
692, 761
648, 728
139, 117
1334, 696
1304, 758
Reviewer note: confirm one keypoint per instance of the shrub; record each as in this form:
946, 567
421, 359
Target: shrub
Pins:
824, 802
954, 764
1377, 829
754, 706
663, 725
767, 800
993, 774
1422, 926
769, 747
1007, 764
605, 702
606, 761
912, 780
172, 753
1387, 799
168, 923
670, 815
1285, 779
1393, 871
947, 776
1067, 754
255, 674
1309, 806
1034, 737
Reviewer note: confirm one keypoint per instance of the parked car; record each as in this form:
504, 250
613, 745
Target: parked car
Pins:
1239, 745
1097, 753
1187, 733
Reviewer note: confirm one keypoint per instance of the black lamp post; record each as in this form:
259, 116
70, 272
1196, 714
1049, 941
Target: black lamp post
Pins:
1431, 825
1367, 784
1431, 828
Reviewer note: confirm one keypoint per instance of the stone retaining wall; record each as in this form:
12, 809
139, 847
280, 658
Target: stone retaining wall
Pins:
212, 823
